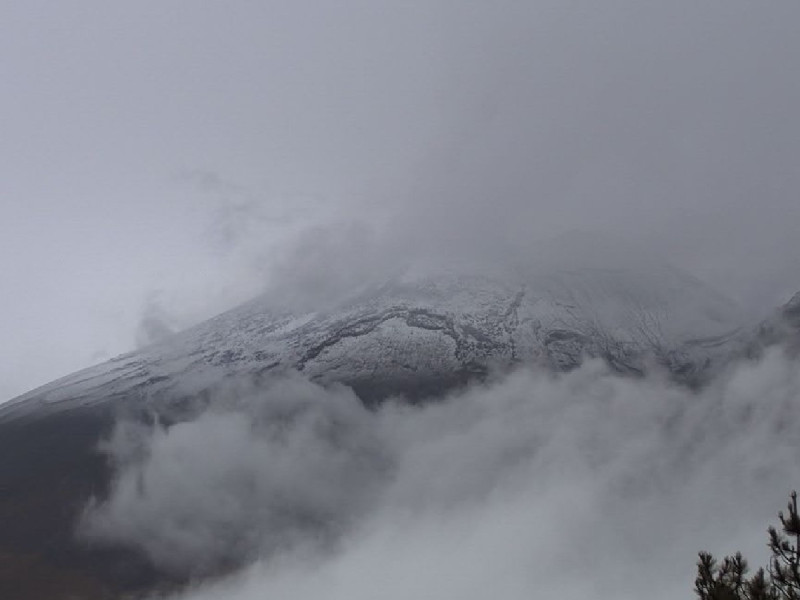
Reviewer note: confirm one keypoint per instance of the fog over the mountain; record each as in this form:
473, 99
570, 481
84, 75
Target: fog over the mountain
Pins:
176, 159
581, 485
163, 162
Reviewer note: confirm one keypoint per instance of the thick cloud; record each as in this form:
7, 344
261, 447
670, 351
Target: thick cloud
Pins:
576, 485
299, 462
668, 127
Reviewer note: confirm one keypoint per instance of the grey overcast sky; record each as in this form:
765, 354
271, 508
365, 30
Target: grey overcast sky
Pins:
170, 159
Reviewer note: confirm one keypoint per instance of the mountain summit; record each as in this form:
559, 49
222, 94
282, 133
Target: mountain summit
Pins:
423, 332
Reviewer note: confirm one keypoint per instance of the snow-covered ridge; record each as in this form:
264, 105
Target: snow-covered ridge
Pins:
425, 331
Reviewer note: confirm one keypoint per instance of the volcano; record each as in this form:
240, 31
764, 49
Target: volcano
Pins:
415, 337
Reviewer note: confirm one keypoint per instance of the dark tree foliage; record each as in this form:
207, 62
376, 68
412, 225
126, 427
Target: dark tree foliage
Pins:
728, 580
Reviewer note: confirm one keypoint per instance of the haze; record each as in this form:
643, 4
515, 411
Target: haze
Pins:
172, 155
161, 162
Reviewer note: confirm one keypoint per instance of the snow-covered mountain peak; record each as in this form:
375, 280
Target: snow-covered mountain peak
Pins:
428, 329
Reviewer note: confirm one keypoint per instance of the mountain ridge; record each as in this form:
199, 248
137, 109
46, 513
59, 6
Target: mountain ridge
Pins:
432, 326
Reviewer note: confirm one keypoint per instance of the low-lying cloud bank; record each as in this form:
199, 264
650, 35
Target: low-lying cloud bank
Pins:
579, 485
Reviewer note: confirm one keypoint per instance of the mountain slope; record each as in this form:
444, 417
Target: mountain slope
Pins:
412, 332
417, 335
